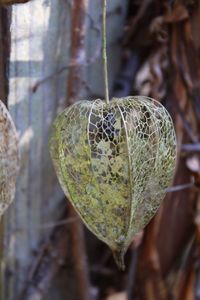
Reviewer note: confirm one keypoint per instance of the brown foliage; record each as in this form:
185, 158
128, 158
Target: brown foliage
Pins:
169, 252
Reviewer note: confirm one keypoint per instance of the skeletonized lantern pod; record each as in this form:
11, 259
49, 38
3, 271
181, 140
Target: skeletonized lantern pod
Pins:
115, 161
9, 158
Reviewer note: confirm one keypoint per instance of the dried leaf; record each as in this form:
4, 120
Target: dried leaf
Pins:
115, 163
179, 14
9, 158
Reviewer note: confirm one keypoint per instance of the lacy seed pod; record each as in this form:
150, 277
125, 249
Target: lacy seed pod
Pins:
9, 158
114, 162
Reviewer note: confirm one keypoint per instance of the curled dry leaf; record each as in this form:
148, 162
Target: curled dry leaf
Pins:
115, 162
179, 14
9, 158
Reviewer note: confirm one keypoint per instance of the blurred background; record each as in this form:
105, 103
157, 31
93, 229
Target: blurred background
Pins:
50, 56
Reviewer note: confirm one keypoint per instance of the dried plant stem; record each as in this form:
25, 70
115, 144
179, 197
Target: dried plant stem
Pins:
104, 53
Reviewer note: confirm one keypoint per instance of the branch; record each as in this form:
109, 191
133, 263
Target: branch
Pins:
74, 87
79, 257
78, 56
191, 147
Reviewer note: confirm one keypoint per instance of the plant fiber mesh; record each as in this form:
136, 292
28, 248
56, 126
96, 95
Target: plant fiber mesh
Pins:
9, 158
115, 162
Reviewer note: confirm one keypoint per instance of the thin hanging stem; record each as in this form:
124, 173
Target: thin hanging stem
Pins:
104, 54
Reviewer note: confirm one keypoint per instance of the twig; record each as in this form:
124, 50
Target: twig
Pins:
71, 64
56, 224
191, 147
104, 54
180, 187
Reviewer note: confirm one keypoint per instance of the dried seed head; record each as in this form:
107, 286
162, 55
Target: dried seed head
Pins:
9, 158
114, 162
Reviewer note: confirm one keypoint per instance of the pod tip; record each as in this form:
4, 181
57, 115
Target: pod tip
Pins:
119, 259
